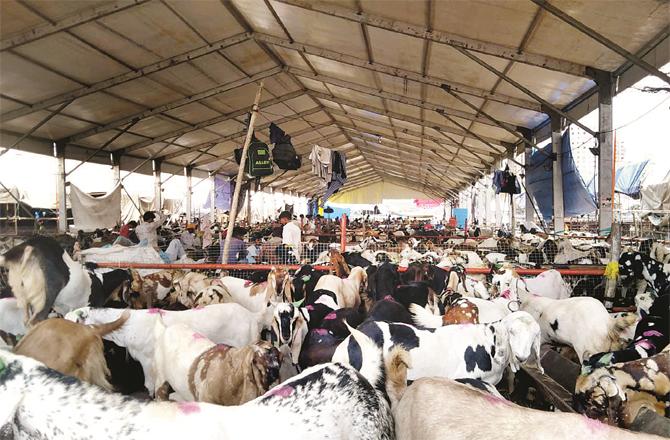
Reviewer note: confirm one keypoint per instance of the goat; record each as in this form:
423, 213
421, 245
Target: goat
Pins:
478, 351
614, 394
346, 290
42, 276
344, 404
289, 327
417, 419
198, 369
229, 324
255, 297
582, 323
70, 348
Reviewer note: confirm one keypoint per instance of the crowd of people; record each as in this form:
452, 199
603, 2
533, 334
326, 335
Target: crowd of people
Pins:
290, 239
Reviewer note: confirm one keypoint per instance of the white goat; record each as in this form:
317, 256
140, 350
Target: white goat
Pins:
476, 351
346, 290
229, 324
581, 322
417, 419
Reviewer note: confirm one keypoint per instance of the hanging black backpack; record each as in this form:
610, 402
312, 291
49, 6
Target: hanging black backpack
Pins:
283, 154
258, 159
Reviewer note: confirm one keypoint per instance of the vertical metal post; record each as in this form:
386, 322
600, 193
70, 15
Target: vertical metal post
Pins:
116, 168
240, 172
557, 174
251, 185
528, 151
343, 233
156, 165
59, 152
212, 197
188, 173
610, 284
116, 177
606, 155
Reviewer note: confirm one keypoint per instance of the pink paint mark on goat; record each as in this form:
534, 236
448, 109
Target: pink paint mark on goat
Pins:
282, 391
310, 307
199, 308
248, 283
495, 400
644, 344
652, 333
331, 315
506, 293
156, 311
188, 407
321, 331
197, 336
594, 425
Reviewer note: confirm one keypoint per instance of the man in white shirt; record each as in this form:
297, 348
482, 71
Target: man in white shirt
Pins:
291, 235
147, 230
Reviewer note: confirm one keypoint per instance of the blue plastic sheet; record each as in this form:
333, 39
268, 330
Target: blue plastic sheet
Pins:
628, 180
337, 212
576, 198
461, 215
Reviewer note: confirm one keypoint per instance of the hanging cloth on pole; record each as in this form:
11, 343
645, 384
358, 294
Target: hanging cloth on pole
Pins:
506, 182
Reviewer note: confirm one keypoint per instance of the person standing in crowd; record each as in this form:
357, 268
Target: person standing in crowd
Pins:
188, 237
238, 250
268, 253
254, 250
148, 229
291, 238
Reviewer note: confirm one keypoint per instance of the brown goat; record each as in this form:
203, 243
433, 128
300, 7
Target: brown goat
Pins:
70, 348
339, 264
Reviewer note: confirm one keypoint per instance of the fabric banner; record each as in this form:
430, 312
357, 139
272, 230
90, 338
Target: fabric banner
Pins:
656, 198
224, 195
539, 183
123, 254
91, 213
427, 203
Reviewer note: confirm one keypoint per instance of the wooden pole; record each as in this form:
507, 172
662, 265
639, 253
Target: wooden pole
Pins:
240, 175
343, 233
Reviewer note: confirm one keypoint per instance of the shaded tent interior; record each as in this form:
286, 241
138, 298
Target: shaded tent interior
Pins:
427, 95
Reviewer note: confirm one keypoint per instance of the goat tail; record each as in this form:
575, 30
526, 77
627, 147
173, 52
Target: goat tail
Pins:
108, 327
423, 317
397, 364
617, 326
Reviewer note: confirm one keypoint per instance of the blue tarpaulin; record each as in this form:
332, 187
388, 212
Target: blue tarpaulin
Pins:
461, 215
628, 180
576, 198
337, 212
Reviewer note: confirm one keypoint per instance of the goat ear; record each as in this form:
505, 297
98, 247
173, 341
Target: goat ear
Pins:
536, 353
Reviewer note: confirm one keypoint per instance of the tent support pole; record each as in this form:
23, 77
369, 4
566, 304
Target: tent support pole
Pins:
116, 177
605, 152
156, 165
557, 174
240, 174
59, 150
212, 196
528, 151
188, 173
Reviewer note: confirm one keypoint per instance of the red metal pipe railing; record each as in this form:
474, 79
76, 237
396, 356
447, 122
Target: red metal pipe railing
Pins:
592, 271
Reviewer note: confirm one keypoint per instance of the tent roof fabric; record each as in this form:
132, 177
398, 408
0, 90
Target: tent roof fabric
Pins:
408, 89
375, 193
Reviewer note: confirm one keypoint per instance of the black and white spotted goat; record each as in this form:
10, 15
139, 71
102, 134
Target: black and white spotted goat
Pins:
639, 268
476, 351
329, 401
